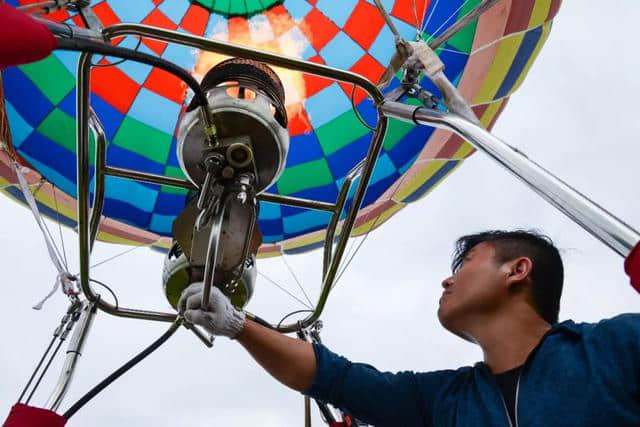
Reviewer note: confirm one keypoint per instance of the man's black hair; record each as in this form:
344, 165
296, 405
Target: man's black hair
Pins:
547, 272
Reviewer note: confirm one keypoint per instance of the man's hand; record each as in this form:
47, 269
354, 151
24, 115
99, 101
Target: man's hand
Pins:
222, 318
291, 361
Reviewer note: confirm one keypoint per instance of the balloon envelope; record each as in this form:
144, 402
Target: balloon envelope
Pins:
140, 106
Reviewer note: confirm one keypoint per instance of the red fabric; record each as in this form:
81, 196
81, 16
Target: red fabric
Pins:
24, 40
632, 267
29, 416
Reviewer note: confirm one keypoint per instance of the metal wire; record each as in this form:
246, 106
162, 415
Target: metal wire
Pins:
425, 6
118, 255
452, 51
284, 290
44, 371
426, 24
432, 36
286, 263
357, 249
352, 245
35, 371
415, 14
373, 225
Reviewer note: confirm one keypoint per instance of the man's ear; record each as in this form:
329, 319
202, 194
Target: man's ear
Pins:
518, 270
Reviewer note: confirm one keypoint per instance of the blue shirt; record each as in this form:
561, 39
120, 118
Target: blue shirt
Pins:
581, 374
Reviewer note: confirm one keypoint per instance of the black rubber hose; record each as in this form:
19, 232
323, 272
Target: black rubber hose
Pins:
83, 45
261, 321
120, 371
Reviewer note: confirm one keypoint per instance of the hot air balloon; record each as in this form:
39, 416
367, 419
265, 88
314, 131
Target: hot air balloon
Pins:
488, 61
439, 67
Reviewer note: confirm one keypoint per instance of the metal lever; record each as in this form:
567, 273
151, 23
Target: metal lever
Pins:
213, 252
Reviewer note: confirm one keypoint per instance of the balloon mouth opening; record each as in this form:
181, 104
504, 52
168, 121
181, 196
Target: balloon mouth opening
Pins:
237, 8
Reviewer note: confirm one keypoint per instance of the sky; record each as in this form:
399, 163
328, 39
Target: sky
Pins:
575, 114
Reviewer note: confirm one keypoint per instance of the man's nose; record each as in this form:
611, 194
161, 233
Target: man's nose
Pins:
447, 282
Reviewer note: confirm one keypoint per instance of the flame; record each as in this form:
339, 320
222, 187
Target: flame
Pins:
259, 34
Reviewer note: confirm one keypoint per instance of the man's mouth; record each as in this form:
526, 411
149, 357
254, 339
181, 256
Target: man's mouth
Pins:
444, 294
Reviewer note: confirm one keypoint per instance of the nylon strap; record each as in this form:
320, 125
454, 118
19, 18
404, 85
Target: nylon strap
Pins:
64, 279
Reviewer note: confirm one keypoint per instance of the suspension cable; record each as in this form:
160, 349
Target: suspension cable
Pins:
296, 278
35, 371
273, 282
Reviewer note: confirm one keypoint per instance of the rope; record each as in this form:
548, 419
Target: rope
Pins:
46, 227
64, 279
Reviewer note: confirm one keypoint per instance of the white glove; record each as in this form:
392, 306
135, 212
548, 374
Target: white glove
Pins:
222, 318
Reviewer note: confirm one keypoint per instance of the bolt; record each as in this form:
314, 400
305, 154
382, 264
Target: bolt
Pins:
228, 172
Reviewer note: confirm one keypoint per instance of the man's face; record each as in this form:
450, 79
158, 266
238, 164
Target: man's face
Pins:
476, 289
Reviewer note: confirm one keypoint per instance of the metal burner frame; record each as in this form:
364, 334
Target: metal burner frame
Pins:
614, 233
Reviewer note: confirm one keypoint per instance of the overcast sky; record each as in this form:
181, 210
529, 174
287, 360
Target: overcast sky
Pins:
575, 114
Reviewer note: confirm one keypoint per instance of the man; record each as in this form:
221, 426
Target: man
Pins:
504, 295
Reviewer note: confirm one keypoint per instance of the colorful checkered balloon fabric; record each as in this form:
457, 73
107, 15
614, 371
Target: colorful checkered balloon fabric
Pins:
140, 106
237, 8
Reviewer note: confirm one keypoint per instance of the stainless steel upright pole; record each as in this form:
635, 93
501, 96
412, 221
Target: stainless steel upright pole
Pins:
596, 220
307, 412
74, 351
82, 152
100, 161
84, 223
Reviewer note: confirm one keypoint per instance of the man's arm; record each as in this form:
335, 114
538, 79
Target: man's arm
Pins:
379, 398
291, 361
383, 399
